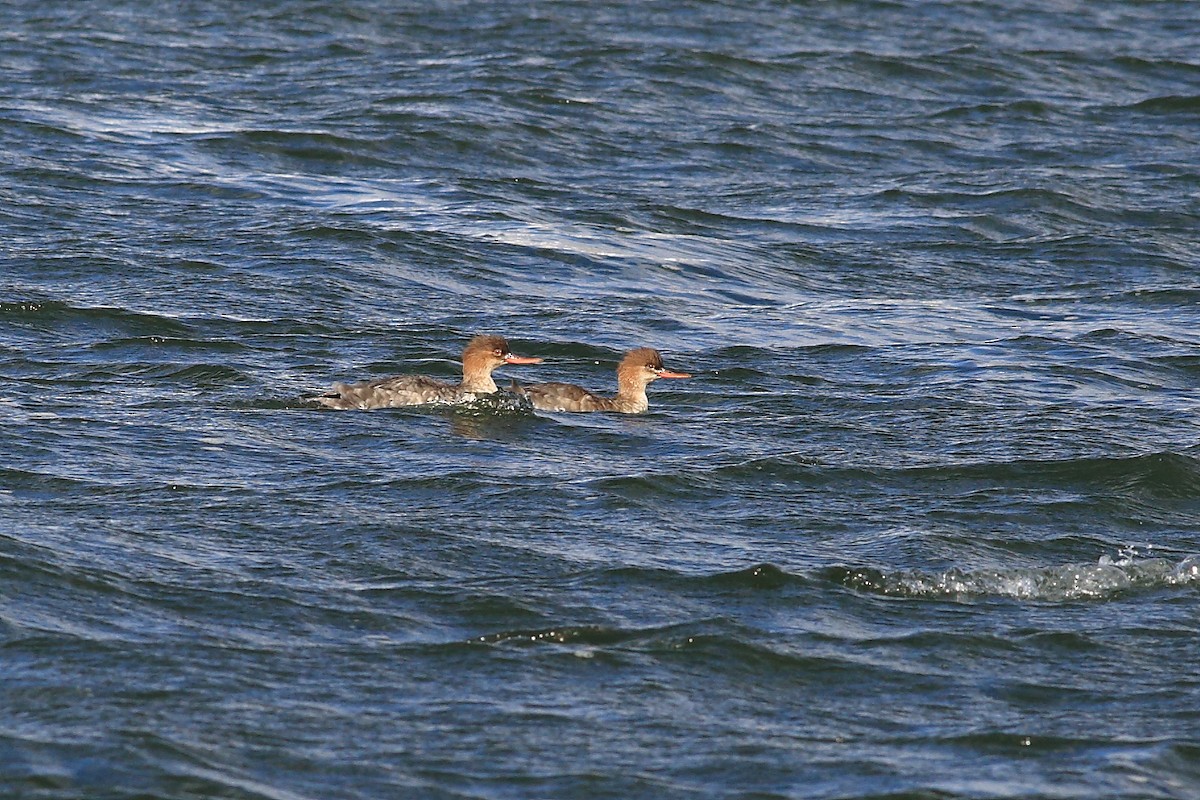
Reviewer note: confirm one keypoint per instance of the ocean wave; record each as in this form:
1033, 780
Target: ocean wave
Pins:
1170, 104
48, 313
1106, 579
1164, 474
713, 641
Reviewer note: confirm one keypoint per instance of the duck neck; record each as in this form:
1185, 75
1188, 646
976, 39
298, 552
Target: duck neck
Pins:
478, 378
631, 398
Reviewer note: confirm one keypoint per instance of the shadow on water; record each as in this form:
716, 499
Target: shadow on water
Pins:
492, 427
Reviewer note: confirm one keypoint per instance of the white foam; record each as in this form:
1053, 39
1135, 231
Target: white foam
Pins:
1105, 578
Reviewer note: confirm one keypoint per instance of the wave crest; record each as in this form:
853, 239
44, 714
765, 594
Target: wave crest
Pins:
1106, 579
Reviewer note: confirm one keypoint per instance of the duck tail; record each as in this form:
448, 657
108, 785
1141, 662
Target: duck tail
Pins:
334, 398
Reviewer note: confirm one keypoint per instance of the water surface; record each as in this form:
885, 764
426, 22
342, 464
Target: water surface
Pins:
923, 524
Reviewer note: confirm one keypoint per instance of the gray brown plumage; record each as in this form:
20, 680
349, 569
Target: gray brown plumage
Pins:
482, 355
637, 370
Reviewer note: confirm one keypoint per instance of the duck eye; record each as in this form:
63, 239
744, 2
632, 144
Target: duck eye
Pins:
498, 353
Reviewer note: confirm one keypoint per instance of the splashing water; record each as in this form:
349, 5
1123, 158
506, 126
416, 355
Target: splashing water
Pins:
1105, 579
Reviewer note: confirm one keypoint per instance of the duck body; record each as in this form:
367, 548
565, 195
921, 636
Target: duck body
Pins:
637, 370
396, 392
569, 397
482, 355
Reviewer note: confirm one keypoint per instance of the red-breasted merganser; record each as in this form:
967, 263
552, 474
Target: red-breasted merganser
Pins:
482, 355
638, 369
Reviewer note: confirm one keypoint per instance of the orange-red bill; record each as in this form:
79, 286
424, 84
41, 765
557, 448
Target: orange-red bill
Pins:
666, 373
511, 359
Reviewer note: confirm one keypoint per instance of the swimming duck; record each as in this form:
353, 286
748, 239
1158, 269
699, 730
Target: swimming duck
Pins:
483, 354
637, 370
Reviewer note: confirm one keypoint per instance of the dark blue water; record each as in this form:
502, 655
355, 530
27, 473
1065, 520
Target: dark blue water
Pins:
924, 524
